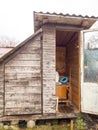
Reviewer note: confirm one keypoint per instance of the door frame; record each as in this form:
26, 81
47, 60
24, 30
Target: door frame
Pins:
82, 70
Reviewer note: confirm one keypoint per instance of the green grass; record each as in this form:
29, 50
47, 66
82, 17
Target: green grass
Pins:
48, 127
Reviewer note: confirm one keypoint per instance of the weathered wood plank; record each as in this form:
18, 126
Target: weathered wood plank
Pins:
49, 47
16, 83
73, 60
1, 89
1, 79
61, 60
48, 36
28, 57
22, 111
74, 88
1, 112
75, 98
16, 105
74, 76
35, 82
49, 56
13, 105
1, 107
23, 89
49, 66
25, 82
22, 69
30, 50
73, 68
49, 71
16, 102
20, 75
23, 63
49, 75
11, 97
1, 95
19, 97
35, 44
1, 104
1, 67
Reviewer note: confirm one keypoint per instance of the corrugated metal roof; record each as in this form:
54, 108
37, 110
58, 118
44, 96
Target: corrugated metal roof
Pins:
41, 18
67, 14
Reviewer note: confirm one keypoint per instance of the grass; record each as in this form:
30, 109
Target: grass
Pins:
40, 127
48, 127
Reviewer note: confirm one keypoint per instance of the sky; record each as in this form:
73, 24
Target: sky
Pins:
16, 16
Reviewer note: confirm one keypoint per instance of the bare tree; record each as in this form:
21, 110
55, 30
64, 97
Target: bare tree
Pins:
5, 41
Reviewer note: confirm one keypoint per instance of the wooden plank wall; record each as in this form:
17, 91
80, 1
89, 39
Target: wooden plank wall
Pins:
23, 80
49, 50
61, 60
72, 65
1, 88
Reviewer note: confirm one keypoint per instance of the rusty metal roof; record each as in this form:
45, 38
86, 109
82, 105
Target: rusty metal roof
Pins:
4, 50
6, 47
41, 18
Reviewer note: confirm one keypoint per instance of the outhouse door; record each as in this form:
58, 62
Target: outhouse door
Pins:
89, 72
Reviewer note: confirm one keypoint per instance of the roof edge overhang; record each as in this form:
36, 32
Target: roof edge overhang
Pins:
80, 21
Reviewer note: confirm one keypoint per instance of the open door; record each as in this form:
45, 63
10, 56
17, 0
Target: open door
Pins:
89, 72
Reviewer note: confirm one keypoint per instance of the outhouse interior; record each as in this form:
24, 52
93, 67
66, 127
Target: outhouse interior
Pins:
67, 65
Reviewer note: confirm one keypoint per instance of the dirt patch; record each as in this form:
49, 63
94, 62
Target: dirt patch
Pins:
91, 121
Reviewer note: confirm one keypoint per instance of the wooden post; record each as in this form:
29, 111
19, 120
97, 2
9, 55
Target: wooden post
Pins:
57, 101
71, 125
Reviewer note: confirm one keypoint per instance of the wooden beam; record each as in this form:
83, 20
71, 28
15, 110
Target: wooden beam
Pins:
40, 116
68, 28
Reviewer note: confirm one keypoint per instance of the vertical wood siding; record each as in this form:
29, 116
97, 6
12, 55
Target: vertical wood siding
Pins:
23, 80
49, 70
61, 60
1, 89
73, 68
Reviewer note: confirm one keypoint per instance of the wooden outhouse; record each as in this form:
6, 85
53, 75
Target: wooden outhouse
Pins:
60, 43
